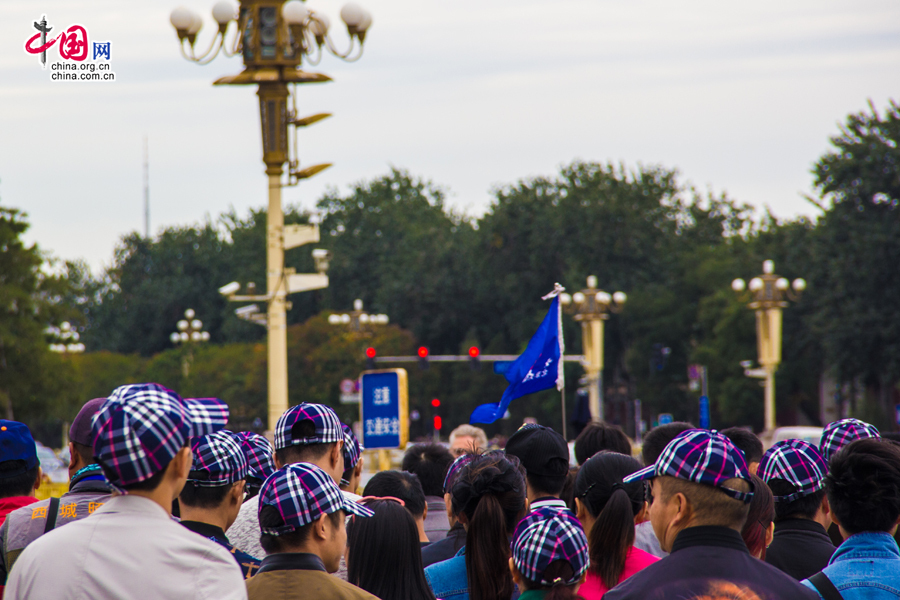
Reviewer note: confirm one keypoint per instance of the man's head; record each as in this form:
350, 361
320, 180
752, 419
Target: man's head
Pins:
699, 479
429, 462
548, 548
838, 434
142, 433
658, 438
600, 436
863, 487
260, 461
747, 442
214, 490
20, 469
795, 472
401, 485
310, 433
301, 509
81, 444
467, 438
545, 456
353, 460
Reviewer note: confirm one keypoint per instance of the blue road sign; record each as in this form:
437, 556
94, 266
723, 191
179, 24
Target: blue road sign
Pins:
665, 418
384, 409
704, 412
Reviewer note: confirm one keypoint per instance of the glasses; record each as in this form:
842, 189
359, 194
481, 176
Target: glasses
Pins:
368, 499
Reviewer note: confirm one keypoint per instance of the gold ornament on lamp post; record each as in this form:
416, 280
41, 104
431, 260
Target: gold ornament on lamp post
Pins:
592, 306
767, 295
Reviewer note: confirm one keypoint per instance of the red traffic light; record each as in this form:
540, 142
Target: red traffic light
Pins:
437, 422
435, 402
474, 351
370, 352
423, 352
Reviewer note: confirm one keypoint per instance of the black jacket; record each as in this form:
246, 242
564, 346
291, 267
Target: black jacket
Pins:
711, 562
446, 548
801, 548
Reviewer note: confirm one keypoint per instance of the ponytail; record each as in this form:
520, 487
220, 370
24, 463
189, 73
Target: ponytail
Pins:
611, 537
487, 552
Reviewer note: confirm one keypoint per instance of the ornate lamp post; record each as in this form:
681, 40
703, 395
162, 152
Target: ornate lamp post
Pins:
360, 321
274, 38
768, 295
190, 332
65, 339
592, 306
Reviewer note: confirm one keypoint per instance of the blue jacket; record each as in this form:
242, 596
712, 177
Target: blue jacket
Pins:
865, 567
448, 579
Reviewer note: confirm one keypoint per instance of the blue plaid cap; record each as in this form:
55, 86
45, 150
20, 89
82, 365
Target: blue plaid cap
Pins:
352, 448
840, 433
302, 492
797, 462
455, 467
140, 428
218, 460
258, 451
700, 456
547, 535
328, 426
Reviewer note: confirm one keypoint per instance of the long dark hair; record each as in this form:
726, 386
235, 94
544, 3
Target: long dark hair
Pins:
384, 556
761, 515
614, 505
490, 492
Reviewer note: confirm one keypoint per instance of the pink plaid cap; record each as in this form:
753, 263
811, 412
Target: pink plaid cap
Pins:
797, 462
545, 536
328, 426
838, 434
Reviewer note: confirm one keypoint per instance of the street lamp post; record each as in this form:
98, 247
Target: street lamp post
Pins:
592, 306
274, 38
768, 295
65, 339
190, 332
360, 321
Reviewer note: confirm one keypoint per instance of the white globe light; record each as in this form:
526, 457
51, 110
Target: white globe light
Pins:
782, 284
565, 299
366, 22
204, 336
223, 12
75, 335
799, 285
181, 18
197, 324
620, 297
334, 319
768, 267
578, 297
738, 285
195, 336
603, 297
364, 318
352, 14
189, 313
319, 25
184, 336
756, 284
175, 338
592, 281
385, 320
294, 12
66, 326
357, 304
196, 24
345, 318
182, 325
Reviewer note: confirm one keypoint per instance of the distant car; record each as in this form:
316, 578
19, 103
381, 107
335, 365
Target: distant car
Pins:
808, 434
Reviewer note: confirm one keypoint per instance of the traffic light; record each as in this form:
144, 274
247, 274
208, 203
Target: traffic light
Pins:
474, 361
423, 357
437, 423
370, 358
436, 403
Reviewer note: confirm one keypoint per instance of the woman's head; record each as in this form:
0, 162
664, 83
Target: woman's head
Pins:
758, 529
601, 497
549, 551
488, 496
384, 556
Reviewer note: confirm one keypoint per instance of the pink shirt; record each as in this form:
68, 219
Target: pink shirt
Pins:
593, 588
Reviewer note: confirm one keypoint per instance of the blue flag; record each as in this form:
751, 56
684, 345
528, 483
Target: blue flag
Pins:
538, 368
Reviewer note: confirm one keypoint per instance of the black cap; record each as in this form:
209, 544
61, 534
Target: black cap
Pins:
541, 450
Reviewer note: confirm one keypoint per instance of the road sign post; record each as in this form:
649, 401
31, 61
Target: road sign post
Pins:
384, 411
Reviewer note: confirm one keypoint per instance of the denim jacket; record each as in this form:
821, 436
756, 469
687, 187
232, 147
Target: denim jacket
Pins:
448, 579
865, 567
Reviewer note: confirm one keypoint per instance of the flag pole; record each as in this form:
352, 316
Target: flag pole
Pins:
563, 394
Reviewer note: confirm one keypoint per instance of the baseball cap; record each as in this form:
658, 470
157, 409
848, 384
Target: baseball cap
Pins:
454, 469
797, 462
352, 448
218, 460
545, 536
838, 434
80, 430
258, 452
141, 427
700, 456
328, 426
541, 451
16, 443
301, 493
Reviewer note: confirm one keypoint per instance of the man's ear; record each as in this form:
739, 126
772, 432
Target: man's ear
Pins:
425, 514
320, 529
182, 463
357, 471
337, 456
826, 507
237, 492
72, 456
642, 514
685, 512
277, 462
40, 477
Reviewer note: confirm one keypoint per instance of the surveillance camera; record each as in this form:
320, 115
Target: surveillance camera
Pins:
746, 364
230, 289
320, 253
246, 311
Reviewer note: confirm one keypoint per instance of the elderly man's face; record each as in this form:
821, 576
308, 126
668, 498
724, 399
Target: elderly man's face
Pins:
463, 444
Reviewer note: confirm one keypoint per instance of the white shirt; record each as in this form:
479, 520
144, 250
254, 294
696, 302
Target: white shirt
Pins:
548, 503
130, 548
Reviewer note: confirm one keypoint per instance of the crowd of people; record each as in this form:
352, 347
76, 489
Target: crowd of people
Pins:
165, 502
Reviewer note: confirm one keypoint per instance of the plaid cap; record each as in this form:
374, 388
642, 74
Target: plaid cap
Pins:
545, 536
701, 456
258, 452
352, 448
218, 460
840, 433
454, 469
328, 426
140, 428
302, 492
797, 462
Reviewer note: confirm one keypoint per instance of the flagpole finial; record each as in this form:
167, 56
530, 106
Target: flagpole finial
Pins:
557, 290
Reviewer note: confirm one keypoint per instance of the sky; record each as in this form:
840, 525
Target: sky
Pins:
739, 97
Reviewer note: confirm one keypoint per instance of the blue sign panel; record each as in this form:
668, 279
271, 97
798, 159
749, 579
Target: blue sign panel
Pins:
704, 412
383, 410
665, 418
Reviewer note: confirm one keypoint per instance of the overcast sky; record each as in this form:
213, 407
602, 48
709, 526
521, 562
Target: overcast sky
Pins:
740, 97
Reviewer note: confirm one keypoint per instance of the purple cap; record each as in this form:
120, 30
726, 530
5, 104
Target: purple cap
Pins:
218, 460
140, 428
80, 430
545, 536
17, 443
258, 451
700, 456
840, 433
797, 462
302, 492
328, 426
455, 467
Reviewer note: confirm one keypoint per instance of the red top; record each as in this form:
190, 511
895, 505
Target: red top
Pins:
7, 505
635, 560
